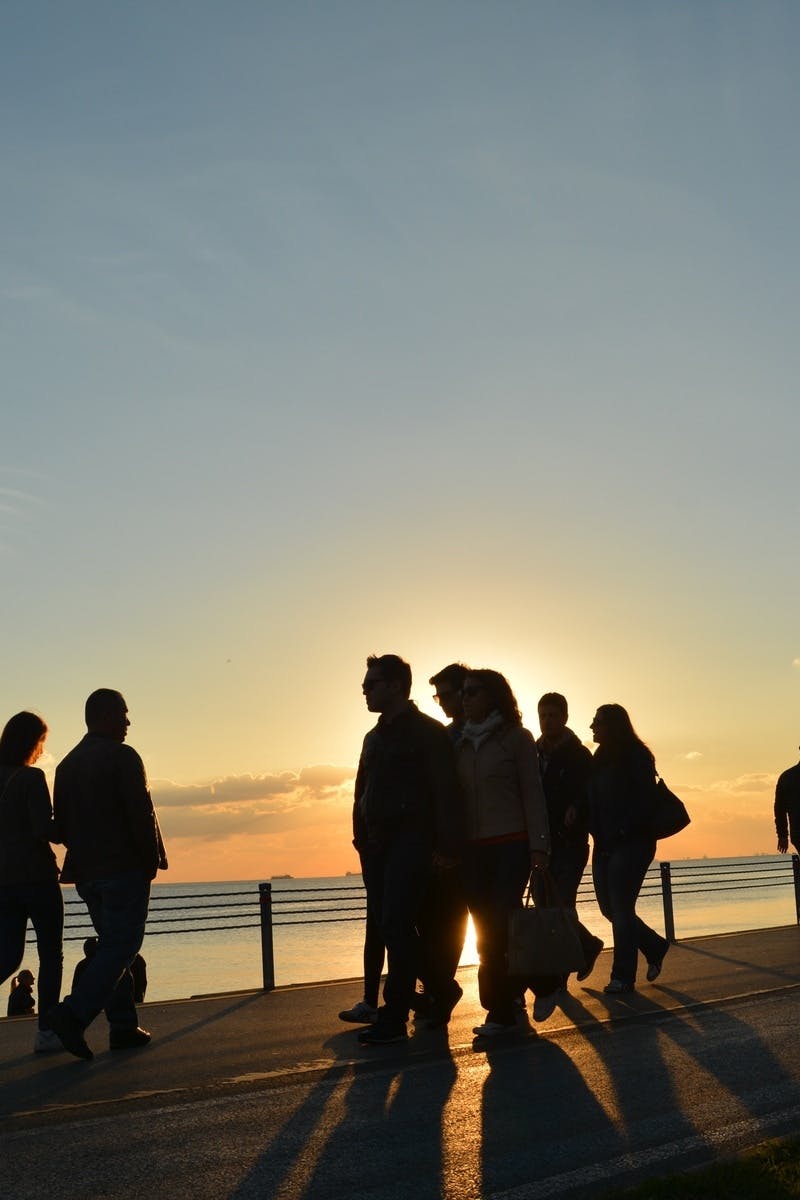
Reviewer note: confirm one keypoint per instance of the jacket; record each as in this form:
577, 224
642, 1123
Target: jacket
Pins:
406, 780
787, 805
502, 788
104, 814
26, 827
622, 798
565, 779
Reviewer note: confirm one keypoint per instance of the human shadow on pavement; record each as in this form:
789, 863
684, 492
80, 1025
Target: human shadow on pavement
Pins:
787, 975
62, 1079
624, 1059
540, 1115
735, 1053
374, 1116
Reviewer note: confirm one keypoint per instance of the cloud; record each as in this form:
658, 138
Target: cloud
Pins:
288, 803
692, 755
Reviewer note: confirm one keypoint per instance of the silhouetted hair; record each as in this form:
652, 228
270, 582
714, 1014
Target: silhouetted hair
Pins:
394, 669
500, 694
101, 703
453, 675
25, 977
620, 737
555, 700
19, 739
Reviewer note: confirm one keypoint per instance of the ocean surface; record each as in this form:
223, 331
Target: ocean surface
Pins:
205, 937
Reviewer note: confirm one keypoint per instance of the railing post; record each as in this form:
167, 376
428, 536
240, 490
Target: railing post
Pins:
796, 874
267, 956
666, 897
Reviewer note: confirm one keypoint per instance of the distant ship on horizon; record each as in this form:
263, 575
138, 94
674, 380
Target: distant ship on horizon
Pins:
281, 876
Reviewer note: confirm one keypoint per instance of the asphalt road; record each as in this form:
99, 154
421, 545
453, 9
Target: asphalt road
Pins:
605, 1094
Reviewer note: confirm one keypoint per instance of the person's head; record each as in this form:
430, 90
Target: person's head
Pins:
613, 730
553, 715
107, 714
448, 684
22, 740
387, 683
485, 692
90, 947
25, 979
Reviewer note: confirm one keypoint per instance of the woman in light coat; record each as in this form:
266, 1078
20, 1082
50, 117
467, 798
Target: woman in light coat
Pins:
506, 830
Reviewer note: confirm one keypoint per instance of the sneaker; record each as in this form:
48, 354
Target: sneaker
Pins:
360, 1014
591, 959
492, 1028
654, 967
69, 1030
545, 1006
616, 986
382, 1033
47, 1042
128, 1039
441, 1011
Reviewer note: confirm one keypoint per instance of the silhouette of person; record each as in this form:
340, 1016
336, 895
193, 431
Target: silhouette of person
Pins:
20, 998
405, 810
29, 889
105, 817
787, 809
565, 765
442, 921
622, 805
506, 831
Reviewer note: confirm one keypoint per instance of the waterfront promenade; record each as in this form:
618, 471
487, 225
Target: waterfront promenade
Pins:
268, 1095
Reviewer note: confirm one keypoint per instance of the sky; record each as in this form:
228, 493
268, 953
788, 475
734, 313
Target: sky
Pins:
453, 330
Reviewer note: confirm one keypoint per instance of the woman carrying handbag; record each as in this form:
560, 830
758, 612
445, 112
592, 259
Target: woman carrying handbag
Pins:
621, 814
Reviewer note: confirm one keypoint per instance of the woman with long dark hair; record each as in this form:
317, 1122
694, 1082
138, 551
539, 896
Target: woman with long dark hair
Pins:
622, 803
506, 831
29, 887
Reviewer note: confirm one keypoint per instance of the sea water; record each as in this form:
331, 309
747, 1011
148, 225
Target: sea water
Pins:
192, 957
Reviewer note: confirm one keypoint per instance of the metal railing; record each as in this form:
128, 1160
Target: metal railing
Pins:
267, 910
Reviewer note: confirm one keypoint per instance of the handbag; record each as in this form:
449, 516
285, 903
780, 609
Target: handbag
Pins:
669, 813
543, 938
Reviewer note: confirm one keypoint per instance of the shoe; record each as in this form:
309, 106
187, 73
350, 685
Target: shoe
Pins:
441, 1010
66, 1026
128, 1039
654, 968
360, 1014
615, 987
383, 1033
422, 1004
47, 1042
591, 959
493, 1028
545, 1006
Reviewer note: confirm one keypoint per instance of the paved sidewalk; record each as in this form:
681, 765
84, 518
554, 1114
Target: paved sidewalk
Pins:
240, 1042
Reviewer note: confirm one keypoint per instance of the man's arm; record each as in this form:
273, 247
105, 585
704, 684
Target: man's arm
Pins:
781, 815
139, 810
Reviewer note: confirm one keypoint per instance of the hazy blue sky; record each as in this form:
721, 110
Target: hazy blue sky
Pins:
453, 329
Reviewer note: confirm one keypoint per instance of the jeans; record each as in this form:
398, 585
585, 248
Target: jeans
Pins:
118, 908
618, 876
494, 876
442, 927
396, 876
43, 905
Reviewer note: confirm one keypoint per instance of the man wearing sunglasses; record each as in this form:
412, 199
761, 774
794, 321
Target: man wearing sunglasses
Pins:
406, 813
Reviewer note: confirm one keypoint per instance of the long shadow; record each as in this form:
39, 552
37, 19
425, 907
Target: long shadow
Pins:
789, 976
63, 1078
734, 1052
626, 1063
537, 1110
361, 1124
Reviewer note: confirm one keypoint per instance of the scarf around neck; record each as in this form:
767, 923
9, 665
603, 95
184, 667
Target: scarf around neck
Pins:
478, 731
